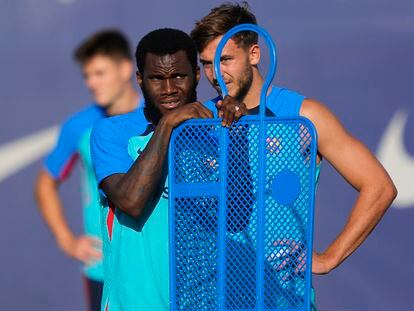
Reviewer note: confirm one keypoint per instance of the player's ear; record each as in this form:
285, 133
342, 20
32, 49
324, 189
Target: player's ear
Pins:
254, 54
127, 69
197, 73
139, 78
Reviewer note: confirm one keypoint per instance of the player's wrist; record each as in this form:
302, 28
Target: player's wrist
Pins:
330, 259
166, 123
66, 242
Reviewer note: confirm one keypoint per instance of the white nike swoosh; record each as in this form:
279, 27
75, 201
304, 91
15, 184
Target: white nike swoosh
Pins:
19, 153
398, 162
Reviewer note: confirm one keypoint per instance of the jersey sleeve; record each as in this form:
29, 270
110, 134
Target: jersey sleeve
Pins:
109, 151
284, 103
62, 158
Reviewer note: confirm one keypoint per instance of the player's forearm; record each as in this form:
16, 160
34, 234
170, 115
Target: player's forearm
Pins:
369, 208
137, 188
50, 207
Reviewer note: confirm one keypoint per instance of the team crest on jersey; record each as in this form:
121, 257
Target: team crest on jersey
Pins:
137, 144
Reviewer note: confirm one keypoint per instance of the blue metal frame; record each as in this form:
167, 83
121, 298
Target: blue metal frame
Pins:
262, 135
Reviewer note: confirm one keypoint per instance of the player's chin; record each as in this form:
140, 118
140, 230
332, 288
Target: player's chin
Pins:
102, 103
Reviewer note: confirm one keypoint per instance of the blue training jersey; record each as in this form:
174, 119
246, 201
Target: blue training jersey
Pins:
135, 250
73, 144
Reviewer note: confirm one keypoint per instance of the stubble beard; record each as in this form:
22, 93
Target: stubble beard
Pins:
244, 83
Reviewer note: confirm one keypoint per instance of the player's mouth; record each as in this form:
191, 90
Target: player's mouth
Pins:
218, 88
170, 104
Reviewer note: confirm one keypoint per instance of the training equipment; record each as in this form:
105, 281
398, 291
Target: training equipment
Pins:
241, 208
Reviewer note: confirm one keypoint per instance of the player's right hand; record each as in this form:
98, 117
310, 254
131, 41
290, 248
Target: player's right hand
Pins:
194, 110
84, 248
230, 110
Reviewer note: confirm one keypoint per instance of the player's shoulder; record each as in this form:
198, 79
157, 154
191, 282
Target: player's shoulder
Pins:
121, 126
85, 117
284, 102
315, 111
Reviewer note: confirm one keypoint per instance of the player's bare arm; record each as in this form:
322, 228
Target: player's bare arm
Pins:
361, 169
83, 248
134, 191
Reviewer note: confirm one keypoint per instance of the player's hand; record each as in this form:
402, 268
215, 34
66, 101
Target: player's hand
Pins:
320, 264
230, 110
289, 256
84, 248
292, 254
186, 112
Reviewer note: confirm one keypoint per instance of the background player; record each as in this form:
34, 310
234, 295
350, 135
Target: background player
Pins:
107, 66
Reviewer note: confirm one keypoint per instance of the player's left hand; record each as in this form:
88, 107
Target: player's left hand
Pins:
230, 110
292, 254
289, 256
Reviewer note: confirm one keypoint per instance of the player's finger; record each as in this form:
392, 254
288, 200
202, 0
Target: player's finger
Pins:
219, 104
226, 117
282, 265
240, 112
83, 257
94, 253
95, 242
287, 276
203, 111
230, 117
300, 268
282, 242
237, 114
206, 113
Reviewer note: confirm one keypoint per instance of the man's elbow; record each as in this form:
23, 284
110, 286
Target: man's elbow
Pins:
391, 192
387, 194
132, 207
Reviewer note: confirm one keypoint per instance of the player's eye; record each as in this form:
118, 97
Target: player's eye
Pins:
206, 64
154, 79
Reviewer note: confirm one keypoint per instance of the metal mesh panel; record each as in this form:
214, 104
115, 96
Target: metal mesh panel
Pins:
240, 237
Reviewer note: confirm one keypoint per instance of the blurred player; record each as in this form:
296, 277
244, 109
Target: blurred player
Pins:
107, 66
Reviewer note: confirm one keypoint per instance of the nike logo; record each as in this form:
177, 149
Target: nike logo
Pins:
21, 152
398, 162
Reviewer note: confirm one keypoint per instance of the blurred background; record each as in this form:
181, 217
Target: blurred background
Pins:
355, 56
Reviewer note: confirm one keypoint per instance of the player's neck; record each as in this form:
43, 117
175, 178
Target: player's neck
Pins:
252, 98
126, 102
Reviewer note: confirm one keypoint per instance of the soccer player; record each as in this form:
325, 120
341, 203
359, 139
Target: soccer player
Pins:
353, 160
107, 66
129, 159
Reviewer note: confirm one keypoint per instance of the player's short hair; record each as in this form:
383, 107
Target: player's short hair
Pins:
220, 20
110, 42
165, 41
